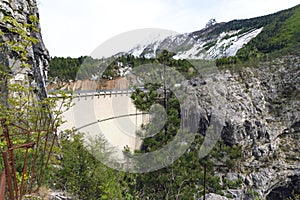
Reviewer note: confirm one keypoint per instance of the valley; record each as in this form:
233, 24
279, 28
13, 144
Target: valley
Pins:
211, 114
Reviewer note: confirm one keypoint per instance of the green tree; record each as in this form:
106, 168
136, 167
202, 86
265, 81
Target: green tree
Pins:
81, 174
27, 121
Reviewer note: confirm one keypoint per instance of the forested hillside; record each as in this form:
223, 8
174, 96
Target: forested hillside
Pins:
281, 33
82, 68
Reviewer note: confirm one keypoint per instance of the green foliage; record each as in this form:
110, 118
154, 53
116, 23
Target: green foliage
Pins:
208, 45
249, 24
279, 33
182, 66
253, 194
184, 179
84, 67
144, 100
294, 197
67, 68
227, 61
229, 155
24, 115
83, 175
234, 184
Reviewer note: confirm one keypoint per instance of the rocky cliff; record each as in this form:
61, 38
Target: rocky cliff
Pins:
262, 115
37, 55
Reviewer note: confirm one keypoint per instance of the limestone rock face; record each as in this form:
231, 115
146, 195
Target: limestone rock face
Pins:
213, 196
261, 107
38, 56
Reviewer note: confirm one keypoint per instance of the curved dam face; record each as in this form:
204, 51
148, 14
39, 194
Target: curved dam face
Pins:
106, 116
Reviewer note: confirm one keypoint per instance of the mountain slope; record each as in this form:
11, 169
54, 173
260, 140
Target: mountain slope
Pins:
281, 33
245, 37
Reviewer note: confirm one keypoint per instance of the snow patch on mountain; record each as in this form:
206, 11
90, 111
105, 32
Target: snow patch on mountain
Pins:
196, 45
148, 47
193, 46
225, 45
239, 42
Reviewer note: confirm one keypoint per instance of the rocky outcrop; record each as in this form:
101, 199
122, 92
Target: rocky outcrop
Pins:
212, 196
262, 115
37, 54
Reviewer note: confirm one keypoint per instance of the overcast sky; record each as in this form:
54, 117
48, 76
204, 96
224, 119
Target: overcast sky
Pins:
76, 27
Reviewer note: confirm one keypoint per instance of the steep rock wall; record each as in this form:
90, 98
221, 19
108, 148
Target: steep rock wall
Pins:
38, 56
262, 115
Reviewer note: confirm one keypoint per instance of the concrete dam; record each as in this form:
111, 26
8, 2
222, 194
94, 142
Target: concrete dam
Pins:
110, 114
